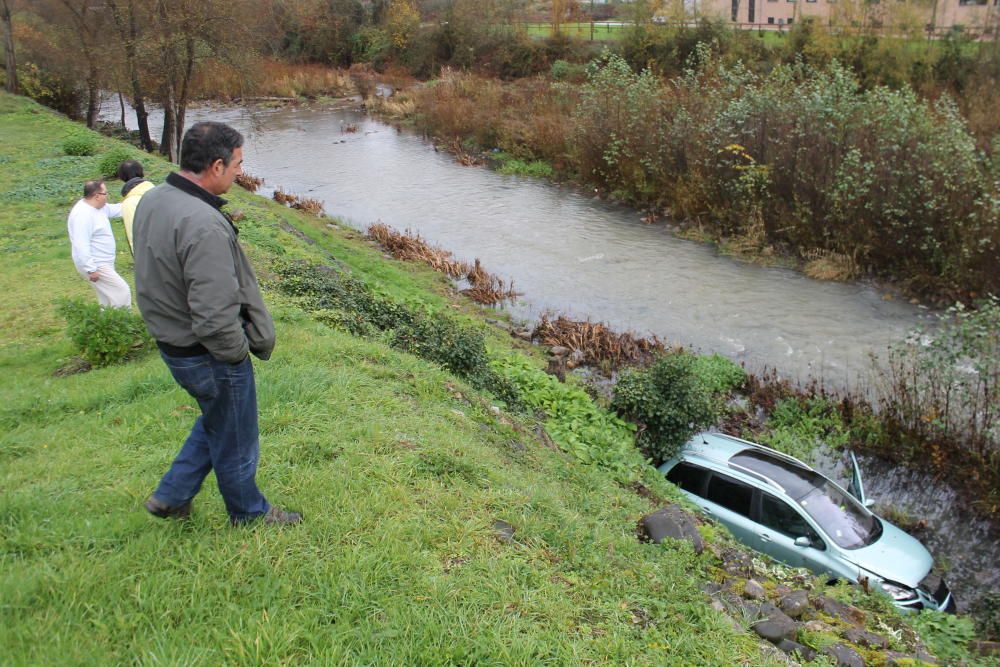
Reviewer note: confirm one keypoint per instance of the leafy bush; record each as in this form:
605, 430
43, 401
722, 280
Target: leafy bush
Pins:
102, 336
668, 401
941, 385
340, 300
108, 166
798, 425
718, 374
946, 635
80, 144
575, 423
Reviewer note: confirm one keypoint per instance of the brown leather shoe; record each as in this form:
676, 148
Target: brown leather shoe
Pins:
158, 509
279, 517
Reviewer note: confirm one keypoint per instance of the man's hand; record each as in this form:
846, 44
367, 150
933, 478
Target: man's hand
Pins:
93, 276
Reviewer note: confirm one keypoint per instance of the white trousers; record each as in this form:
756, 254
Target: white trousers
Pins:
111, 288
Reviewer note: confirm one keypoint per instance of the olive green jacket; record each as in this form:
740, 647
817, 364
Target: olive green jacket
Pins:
194, 284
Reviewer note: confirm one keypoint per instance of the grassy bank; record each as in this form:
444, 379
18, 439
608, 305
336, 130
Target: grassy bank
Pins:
401, 479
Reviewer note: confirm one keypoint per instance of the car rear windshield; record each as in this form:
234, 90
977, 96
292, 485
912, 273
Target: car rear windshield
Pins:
840, 515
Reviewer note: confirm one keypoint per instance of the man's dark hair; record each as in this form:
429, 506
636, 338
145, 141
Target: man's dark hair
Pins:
130, 169
206, 142
90, 188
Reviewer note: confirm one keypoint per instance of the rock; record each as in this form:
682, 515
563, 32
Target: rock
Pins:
790, 647
674, 522
752, 590
577, 356
776, 624
504, 531
845, 612
523, 334
862, 637
795, 603
817, 626
559, 351
844, 655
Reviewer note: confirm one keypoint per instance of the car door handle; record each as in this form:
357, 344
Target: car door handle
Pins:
764, 537
706, 511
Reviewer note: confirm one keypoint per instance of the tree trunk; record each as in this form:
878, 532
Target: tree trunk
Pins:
168, 140
10, 62
93, 97
127, 30
121, 103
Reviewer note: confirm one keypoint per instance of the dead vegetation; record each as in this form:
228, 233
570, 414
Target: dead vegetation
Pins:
249, 182
307, 204
598, 344
484, 287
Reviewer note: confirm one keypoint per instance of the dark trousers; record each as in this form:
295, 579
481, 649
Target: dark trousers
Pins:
224, 438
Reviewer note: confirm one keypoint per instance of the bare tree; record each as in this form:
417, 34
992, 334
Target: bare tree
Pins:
10, 62
87, 21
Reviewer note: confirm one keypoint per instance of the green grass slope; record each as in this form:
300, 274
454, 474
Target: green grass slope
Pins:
400, 479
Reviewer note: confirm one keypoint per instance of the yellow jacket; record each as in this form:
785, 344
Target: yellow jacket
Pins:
128, 207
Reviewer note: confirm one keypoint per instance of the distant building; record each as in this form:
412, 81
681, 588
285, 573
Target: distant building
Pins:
975, 17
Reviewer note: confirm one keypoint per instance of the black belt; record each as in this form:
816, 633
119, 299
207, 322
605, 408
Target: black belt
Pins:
186, 351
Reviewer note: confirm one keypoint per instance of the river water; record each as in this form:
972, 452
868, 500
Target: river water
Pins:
573, 254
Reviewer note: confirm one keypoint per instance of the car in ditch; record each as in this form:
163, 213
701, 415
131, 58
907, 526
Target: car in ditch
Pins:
780, 506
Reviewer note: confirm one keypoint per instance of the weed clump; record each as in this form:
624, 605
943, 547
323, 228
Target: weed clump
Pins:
108, 166
102, 336
79, 144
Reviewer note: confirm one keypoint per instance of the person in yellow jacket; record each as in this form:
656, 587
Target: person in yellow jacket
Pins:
131, 173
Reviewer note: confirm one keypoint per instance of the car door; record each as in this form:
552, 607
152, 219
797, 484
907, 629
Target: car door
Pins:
730, 501
779, 524
857, 487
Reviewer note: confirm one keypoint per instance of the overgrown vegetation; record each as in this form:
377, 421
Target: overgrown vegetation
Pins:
103, 336
802, 160
674, 398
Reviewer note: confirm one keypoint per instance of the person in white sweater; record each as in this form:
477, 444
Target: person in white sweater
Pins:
94, 245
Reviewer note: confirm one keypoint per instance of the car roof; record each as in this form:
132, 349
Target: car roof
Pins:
747, 459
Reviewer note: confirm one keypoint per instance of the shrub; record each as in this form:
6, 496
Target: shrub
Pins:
80, 144
102, 336
668, 401
941, 385
108, 165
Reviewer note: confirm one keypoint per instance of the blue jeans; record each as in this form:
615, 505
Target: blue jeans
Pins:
224, 438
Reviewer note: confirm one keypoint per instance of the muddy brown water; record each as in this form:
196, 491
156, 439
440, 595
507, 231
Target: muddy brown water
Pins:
570, 253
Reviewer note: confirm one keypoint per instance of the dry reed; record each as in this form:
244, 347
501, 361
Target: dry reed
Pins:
307, 204
249, 182
599, 345
484, 287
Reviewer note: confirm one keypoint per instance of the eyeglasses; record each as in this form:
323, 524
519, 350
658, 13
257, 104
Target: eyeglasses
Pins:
105, 193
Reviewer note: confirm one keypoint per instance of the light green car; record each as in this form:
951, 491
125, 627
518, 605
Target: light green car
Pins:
778, 505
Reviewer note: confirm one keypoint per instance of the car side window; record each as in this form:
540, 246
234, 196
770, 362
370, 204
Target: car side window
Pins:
689, 477
778, 515
730, 493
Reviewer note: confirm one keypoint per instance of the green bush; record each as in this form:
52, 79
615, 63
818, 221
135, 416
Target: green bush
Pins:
668, 401
108, 166
347, 303
102, 336
80, 144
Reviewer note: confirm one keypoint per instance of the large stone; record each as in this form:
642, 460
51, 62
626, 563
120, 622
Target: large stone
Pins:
674, 522
795, 603
844, 655
776, 625
752, 590
558, 351
803, 651
862, 637
845, 612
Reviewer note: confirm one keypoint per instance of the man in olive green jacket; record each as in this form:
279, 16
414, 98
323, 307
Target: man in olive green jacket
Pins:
199, 298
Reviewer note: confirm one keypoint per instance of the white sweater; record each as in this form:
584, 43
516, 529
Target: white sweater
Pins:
91, 236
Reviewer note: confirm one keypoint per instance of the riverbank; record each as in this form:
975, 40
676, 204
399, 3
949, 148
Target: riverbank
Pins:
723, 153
402, 470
